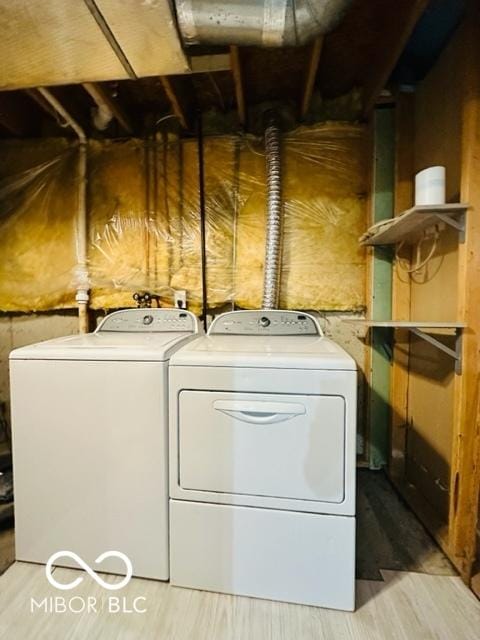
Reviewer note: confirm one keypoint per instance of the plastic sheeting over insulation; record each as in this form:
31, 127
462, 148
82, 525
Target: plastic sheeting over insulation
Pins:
144, 229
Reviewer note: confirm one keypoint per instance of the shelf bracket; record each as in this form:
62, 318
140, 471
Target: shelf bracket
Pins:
456, 353
458, 224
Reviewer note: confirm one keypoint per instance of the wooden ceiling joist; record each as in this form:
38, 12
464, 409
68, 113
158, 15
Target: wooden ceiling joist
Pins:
388, 56
102, 97
174, 101
236, 67
311, 75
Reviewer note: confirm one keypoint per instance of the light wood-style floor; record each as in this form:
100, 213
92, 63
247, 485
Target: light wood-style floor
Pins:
405, 606
388, 534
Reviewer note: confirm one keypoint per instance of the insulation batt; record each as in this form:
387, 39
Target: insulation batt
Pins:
144, 220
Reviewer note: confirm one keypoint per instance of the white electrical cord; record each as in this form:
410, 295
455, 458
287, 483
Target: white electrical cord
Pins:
419, 262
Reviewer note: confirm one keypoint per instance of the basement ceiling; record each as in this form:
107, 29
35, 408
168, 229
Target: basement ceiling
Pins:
146, 34
49, 42
130, 50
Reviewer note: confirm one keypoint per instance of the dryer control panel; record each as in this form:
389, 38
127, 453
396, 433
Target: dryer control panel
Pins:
266, 323
149, 321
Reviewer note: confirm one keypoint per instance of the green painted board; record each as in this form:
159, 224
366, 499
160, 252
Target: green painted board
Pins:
384, 183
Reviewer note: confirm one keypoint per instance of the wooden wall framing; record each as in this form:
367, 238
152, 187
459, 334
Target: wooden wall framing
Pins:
456, 533
380, 280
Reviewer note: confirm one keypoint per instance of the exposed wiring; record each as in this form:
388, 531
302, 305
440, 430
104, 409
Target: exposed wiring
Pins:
170, 115
216, 89
419, 263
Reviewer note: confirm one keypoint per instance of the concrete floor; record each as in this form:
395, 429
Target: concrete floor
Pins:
7, 547
389, 536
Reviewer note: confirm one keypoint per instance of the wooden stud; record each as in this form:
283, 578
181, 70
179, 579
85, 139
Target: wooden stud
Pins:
174, 101
101, 96
381, 281
237, 78
403, 199
386, 60
365, 454
313, 63
465, 470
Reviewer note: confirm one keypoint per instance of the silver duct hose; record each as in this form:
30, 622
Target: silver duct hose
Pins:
273, 246
263, 23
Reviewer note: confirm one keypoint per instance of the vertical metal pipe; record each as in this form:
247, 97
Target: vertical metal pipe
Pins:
273, 246
203, 230
83, 286
149, 168
82, 297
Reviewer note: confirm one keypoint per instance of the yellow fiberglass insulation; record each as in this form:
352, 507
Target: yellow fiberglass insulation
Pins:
144, 230
219, 154
325, 195
38, 200
325, 188
120, 223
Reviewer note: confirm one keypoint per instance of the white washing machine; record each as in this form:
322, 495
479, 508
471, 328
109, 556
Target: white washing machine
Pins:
262, 461
89, 422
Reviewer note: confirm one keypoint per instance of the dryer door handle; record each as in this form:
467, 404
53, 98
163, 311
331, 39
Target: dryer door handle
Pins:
258, 412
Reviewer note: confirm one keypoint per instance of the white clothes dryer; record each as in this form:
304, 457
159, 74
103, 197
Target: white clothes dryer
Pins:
262, 461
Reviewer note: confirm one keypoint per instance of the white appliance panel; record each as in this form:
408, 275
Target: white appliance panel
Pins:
265, 553
265, 352
90, 462
245, 381
264, 445
262, 451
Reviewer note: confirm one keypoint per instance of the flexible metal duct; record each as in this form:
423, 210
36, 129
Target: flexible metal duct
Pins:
273, 247
264, 23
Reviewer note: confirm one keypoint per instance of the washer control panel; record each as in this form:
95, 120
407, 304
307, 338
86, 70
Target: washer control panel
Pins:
149, 321
266, 323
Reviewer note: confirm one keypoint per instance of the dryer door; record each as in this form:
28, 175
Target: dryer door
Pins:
283, 446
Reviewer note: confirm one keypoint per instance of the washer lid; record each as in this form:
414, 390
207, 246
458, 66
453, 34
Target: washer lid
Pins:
131, 334
102, 346
279, 352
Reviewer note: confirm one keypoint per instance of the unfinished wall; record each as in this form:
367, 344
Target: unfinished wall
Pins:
144, 228
17, 330
144, 221
433, 290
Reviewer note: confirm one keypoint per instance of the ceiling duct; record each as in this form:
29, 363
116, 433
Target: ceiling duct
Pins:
263, 23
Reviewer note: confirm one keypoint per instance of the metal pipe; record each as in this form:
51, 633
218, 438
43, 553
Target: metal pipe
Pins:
107, 108
60, 109
82, 296
83, 287
203, 230
273, 245
267, 23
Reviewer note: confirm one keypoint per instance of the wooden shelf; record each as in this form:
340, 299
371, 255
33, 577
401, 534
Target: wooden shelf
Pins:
417, 328
408, 225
